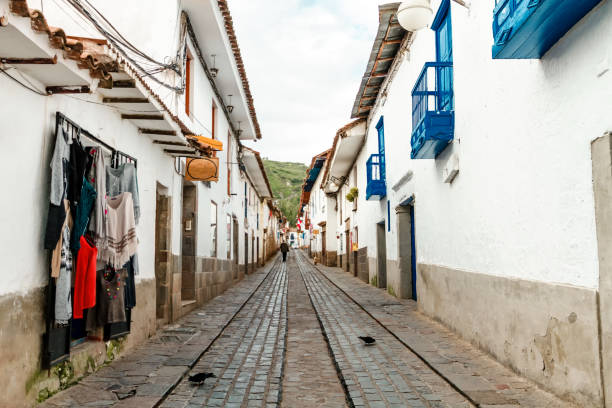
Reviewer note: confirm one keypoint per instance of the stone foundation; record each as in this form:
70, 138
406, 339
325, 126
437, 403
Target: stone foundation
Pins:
546, 332
331, 258
22, 325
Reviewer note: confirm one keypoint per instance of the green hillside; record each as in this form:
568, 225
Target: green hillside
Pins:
286, 181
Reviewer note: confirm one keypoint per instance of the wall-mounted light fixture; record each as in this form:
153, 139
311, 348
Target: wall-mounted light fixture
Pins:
415, 15
214, 71
239, 131
230, 107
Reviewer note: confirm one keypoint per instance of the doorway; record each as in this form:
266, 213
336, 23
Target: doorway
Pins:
324, 245
347, 235
163, 271
253, 259
235, 247
188, 244
407, 251
246, 253
258, 258
381, 255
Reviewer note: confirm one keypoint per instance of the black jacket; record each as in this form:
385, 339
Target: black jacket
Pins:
284, 247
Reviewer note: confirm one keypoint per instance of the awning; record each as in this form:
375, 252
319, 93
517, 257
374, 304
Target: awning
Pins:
206, 142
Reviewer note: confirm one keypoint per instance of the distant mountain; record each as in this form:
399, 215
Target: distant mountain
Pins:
286, 181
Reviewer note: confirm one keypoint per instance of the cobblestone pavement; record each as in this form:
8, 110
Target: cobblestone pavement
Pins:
248, 357
386, 374
310, 378
143, 375
287, 335
482, 378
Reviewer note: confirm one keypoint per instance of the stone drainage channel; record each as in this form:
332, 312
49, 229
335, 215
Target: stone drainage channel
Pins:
248, 357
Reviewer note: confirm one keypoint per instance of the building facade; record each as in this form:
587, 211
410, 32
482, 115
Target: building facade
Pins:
481, 189
196, 236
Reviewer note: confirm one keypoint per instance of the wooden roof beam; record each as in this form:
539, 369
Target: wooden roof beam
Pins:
125, 100
158, 132
142, 117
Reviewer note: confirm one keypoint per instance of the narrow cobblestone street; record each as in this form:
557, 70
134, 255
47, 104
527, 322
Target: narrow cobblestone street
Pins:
288, 336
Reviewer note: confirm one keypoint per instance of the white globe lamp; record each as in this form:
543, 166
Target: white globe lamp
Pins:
414, 15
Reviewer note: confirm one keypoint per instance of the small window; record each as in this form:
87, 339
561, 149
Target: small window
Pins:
213, 229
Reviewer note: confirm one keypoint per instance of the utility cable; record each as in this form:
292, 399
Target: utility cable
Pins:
22, 84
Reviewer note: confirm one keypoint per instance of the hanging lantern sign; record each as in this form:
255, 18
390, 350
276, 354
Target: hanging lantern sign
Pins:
202, 169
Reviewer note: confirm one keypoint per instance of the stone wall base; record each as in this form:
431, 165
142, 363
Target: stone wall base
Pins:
546, 332
331, 258
22, 325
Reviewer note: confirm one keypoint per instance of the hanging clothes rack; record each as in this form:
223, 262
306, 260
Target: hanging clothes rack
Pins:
58, 340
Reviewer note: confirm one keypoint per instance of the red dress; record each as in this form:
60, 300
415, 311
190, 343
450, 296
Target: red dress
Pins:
85, 279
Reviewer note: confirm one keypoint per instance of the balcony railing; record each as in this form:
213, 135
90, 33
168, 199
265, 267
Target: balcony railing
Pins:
525, 29
433, 116
376, 187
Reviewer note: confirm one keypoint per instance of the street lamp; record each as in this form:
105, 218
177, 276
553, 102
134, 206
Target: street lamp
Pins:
414, 15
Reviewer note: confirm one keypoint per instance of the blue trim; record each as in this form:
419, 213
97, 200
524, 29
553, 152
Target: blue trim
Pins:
441, 14
376, 187
527, 29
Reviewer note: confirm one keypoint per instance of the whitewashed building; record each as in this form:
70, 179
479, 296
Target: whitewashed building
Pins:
484, 181
188, 98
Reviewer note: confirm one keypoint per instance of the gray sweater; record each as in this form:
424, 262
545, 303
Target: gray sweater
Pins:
61, 153
123, 179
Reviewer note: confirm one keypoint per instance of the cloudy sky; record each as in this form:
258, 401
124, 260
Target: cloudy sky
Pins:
304, 60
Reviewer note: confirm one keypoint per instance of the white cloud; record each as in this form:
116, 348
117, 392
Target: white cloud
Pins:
304, 60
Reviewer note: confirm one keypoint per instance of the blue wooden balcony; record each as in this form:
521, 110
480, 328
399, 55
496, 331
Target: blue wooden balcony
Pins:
524, 29
377, 187
433, 110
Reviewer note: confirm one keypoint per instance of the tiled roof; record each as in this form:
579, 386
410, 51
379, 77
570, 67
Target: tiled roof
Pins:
340, 133
388, 42
261, 166
229, 28
92, 54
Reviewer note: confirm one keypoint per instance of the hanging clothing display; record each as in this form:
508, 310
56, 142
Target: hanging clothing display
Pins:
121, 241
59, 176
123, 179
110, 301
130, 283
86, 203
79, 162
93, 212
97, 177
56, 256
85, 279
63, 304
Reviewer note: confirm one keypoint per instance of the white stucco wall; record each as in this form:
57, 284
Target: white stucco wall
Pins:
522, 204
30, 134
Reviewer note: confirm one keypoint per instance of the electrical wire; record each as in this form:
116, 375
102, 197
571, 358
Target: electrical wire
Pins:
22, 84
119, 44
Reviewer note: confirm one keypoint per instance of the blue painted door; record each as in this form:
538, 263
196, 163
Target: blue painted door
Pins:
413, 269
444, 53
381, 147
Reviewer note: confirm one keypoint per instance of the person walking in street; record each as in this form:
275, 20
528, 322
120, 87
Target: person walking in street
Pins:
284, 249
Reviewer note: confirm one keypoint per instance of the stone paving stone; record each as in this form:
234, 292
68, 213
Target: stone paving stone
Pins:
485, 379
310, 378
151, 368
382, 374
251, 350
